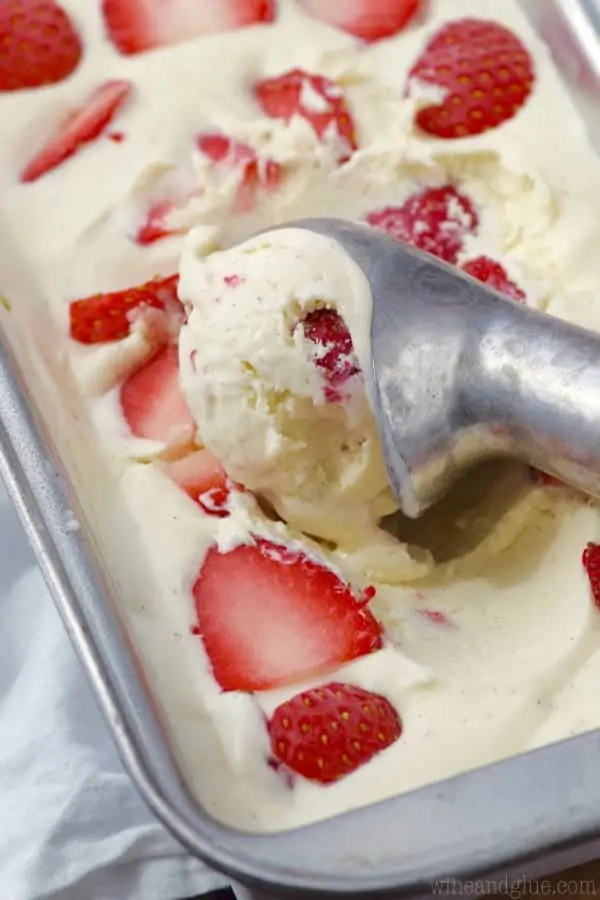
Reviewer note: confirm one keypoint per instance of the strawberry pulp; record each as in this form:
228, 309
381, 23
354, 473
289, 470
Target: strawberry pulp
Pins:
334, 352
270, 616
314, 98
436, 219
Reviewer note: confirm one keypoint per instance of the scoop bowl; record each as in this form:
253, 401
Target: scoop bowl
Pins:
461, 373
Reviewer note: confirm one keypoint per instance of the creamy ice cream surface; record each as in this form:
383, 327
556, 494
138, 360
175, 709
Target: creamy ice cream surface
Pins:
312, 649
286, 419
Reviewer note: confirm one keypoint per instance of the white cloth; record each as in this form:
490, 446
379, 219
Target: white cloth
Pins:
72, 826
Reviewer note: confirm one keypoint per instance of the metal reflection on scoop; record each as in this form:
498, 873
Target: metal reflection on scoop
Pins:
460, 373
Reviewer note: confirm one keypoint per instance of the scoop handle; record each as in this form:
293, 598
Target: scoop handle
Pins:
535, 387
487, 377
462, 374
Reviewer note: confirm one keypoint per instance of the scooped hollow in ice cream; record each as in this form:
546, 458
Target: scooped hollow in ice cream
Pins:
271, 359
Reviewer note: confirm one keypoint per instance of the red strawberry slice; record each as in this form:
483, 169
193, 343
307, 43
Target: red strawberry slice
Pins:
328, 732
436, 220
591, 563
490, 272
369, 20
152, 401
486, 72
138, 25
257, 172
334, 355
108, 317
39, 44
317, 99
269, 616
80, 127
203, 478
155, 227
221, 148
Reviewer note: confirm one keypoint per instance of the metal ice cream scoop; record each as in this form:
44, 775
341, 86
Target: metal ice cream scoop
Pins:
461, 374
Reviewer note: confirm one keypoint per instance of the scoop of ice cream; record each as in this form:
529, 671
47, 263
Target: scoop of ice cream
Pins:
271, 359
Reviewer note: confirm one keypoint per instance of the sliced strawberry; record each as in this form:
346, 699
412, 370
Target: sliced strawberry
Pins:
591, 563
221, 148
152, 401
138, 25
108, 317
313, 97
203, 478
369, 20
257, 172
490, 272
39, 44
437, 219
486, 72
328, 732
334, 351
80, 127
269, 616
154, 227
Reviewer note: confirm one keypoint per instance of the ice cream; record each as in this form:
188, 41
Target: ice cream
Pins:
284, 410
238, 502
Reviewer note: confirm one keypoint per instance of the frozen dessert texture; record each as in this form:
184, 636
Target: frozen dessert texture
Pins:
281, 404
313, 648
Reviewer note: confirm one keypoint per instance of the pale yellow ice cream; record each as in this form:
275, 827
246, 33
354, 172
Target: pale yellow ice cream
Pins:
252, 380
491, 632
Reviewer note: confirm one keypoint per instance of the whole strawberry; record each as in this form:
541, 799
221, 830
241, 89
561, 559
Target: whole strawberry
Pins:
485, 71
38, 44
328, 732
